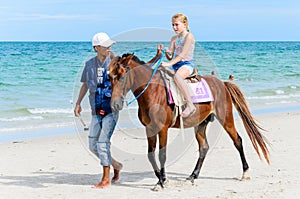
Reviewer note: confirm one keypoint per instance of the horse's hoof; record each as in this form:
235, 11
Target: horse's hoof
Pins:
244, 178
166, 183
157, 187
191, 178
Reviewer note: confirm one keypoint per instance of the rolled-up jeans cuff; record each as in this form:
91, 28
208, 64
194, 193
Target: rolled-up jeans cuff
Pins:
104, 153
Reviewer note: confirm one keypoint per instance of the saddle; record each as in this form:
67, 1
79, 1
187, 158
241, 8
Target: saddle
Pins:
198, 87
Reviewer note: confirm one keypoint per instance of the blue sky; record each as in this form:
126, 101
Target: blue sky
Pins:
210, 20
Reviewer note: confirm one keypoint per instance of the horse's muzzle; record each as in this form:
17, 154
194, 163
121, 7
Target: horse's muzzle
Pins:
117, 105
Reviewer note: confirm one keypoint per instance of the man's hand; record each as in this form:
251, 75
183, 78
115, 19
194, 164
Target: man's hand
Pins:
77, 110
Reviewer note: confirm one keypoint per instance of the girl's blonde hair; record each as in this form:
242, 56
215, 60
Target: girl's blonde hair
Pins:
183, 19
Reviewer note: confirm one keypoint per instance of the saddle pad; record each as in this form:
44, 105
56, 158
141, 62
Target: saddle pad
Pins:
200, 92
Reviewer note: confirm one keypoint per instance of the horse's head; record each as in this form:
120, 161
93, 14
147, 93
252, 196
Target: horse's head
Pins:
119, 76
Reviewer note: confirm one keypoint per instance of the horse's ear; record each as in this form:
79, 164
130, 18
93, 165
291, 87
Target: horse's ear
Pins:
128, 58
113, 65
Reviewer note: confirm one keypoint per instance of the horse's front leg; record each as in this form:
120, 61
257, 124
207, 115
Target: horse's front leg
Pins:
160, 173
163, 136
151, 155
162, 159
157, 128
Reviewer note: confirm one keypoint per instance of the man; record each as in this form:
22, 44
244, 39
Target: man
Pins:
95, 80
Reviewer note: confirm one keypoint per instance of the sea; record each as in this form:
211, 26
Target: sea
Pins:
40, 81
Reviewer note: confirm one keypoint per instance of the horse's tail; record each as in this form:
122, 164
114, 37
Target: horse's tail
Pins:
252, 128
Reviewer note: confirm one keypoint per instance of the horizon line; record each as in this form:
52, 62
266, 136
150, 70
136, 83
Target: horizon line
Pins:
152, 41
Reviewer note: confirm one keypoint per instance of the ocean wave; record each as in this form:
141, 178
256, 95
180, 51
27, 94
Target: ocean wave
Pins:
21, 118
282, 102
293, 75
6, 84
287, 90
279, 91
32, 127
15, 111
49, 110
279, 96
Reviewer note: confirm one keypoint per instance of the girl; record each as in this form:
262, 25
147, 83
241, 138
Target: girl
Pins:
180, 56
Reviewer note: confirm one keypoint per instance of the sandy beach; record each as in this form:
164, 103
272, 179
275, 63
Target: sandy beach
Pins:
60, 166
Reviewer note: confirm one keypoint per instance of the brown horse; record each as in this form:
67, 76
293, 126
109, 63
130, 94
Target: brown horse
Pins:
130, 73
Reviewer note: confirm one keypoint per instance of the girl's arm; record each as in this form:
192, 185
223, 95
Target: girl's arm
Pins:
170, 52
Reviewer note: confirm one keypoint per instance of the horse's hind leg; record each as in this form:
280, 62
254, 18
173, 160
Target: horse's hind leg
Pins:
229, 126
239, 147
200, 133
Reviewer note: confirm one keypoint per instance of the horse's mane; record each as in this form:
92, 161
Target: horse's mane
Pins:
134, 58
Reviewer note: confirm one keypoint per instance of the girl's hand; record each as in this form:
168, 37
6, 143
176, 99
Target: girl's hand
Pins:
168, 54
167, 50
160, 47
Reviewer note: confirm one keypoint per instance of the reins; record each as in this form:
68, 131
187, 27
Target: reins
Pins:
157, 61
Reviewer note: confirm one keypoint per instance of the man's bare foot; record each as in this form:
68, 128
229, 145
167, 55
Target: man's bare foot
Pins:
117, 173
116, 176
102, 184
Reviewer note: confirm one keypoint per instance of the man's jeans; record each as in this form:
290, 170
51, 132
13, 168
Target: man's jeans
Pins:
101, 130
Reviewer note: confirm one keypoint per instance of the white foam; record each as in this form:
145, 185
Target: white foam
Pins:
46, 110
281, 102
279, 92
274, 97
41, 126
21, 118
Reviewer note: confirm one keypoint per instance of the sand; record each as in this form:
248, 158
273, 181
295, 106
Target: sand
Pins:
60, 166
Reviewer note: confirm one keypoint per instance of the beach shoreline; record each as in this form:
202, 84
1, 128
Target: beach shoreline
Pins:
60, 166
130, 123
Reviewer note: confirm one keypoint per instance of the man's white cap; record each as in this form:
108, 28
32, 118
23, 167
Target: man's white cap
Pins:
102, 39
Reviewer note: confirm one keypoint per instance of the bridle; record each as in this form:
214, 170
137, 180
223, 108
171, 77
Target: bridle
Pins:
157, 61
124, 79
